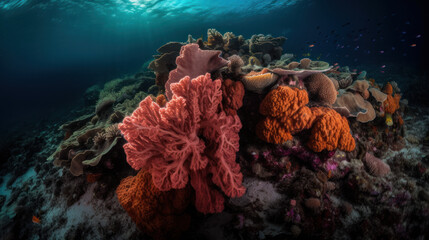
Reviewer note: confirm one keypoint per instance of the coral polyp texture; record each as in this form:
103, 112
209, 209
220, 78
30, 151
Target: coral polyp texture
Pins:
187, 140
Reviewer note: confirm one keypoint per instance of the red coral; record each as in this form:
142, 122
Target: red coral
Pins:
159, 214
232, 96
193, 62
161, 100
188, 138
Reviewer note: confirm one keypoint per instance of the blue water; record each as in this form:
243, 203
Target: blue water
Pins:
51, 51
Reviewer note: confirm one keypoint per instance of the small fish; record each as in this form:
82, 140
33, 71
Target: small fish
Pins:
404, 32
393, 48
413, 45
345, 24
335, 64
389, 121
306, 54
382, 71
311, 45
383, 66
36, 219
418, 36
354, 70
381, 51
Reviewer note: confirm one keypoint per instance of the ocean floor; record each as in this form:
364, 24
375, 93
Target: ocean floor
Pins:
71, 208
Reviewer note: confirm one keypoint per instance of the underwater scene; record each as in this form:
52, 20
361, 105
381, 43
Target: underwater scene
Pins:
207, 120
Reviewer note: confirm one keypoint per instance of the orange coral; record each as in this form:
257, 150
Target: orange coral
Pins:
272, 131
391, 104
161, 100
388, 89
160, 214
286, 114
283, 101
330, 131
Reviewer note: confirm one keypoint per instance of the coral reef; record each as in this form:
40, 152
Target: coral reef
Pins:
274, 149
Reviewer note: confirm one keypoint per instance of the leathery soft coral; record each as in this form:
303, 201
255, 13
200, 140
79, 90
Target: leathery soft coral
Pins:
187, 139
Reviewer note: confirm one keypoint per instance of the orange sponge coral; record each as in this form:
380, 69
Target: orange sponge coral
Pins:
286, 114
283, 101
388, 89
330, 131
272, 131
159, 214
391, 104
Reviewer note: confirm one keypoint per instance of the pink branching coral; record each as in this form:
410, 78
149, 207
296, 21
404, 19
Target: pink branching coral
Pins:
188, 138
193, 62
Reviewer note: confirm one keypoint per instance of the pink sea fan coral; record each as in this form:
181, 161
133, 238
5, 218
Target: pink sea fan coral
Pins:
187, 139
193, 62
375, 165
